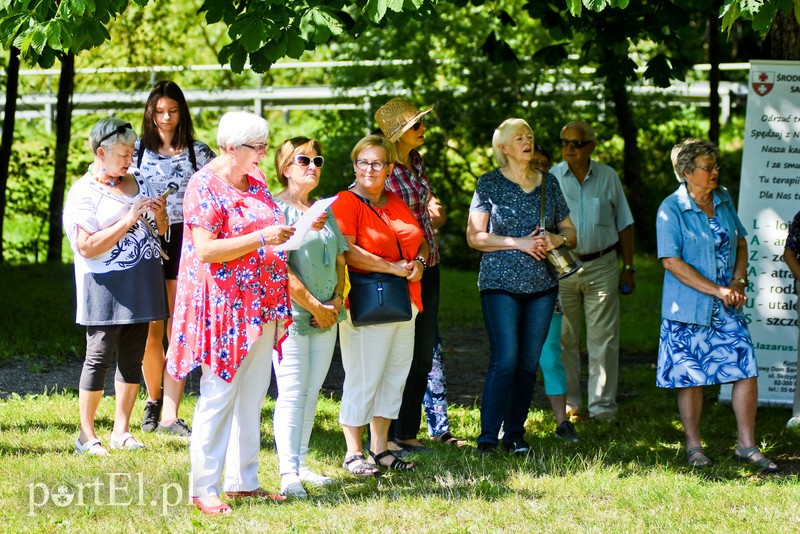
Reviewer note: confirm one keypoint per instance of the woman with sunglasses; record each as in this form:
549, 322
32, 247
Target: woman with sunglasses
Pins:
383, 236
316, 286
167, 154
112, 218
403, 124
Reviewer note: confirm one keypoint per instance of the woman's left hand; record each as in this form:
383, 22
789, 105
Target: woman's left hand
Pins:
320, 221
733, 295
158, 206
417, 269
541, 244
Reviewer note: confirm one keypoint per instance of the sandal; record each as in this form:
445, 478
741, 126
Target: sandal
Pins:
126, 442
449, 439
356, 465
696, 457
746, 456
397, 464
221, 508
92, 447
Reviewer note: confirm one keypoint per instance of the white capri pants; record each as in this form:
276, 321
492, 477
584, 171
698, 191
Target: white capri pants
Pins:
376, 360
226, 430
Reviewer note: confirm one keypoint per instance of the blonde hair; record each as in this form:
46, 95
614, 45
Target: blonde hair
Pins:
377, 141
502, 135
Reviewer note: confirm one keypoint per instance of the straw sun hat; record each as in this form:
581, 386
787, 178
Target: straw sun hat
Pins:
398, 115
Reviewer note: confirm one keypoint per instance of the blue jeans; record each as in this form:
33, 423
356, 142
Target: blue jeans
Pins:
517, 326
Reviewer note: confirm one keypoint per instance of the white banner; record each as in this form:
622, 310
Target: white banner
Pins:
769, 197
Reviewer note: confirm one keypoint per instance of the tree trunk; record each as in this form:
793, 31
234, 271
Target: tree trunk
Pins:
12, 83
631, 166
66, 85
713, 75
783, 40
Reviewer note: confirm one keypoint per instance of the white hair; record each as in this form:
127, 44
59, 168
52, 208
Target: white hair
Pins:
237, 128
106, 128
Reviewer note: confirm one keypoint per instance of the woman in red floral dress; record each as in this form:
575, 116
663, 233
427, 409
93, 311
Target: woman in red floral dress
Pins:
231, 299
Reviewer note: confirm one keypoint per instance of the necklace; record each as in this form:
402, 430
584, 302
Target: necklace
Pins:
704, 203
111, 182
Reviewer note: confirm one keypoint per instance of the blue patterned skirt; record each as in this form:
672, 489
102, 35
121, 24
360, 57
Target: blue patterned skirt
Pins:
695, 355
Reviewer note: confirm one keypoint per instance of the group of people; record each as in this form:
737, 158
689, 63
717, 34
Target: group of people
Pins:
175, 243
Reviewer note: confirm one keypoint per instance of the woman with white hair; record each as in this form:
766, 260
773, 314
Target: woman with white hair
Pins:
231, 299
518, 293
112, 219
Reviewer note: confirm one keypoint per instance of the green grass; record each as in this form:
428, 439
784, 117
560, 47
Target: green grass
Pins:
629, 478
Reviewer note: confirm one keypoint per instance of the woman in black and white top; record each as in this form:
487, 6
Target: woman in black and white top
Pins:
167, 154
112, 218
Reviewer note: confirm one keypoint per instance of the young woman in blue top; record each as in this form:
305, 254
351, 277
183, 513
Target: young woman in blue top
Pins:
704, 339
518, 292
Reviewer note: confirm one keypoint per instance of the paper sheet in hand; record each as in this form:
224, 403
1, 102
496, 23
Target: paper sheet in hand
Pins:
303, 224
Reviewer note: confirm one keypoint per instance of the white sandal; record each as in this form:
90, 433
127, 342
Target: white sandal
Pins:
92, 447
126, 442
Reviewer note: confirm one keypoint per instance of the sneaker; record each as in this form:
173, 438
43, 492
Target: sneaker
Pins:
177, 428
566, 431
487, 449
152, 415
291, 487
520, 448
315, 479
794, 422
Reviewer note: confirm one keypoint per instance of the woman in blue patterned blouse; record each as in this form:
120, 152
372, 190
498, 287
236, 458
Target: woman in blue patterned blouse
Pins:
704, 340
518, 293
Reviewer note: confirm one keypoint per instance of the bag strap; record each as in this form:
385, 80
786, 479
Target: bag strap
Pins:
378, 215
544, 200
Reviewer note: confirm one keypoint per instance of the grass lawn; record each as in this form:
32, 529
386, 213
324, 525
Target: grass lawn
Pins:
628, 477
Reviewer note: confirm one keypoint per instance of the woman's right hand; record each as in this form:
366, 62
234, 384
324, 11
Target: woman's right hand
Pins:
732, 297
401, 268
277, 234
137, 209
324, 315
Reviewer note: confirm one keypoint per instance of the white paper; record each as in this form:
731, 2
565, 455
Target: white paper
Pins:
303, 224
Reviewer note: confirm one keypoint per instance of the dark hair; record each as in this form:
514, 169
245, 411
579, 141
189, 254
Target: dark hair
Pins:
288, 150
184, 133
544, 151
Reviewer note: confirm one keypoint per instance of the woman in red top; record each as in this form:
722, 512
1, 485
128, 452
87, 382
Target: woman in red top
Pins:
231, 297
383, 237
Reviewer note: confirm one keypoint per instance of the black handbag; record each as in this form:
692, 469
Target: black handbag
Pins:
378, 298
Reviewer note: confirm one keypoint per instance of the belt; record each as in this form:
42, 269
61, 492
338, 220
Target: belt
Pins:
595, 255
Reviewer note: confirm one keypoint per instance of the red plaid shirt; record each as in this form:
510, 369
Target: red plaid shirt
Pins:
413, 186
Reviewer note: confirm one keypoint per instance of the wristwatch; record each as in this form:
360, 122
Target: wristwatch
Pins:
629, 268
564, 238
742, 281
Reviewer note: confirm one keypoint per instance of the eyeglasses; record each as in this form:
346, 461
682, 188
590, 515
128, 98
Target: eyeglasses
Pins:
542, 165
575, 144
376, 166
304, 161
258, 148
708, 168
119, 130
418, 124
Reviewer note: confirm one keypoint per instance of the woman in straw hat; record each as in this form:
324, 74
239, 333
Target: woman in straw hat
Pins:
403, 124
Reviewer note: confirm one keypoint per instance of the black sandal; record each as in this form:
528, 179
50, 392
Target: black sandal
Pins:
449, 439
356, 465
396, 465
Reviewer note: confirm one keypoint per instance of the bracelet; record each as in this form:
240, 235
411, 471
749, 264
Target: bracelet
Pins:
629, 268
422, 261
165, 220
261, 238
337, 294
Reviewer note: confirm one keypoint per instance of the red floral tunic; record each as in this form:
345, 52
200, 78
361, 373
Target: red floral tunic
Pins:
220, 307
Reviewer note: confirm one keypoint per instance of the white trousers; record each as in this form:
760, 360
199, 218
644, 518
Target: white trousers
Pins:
226, 429
299, 376
376, 361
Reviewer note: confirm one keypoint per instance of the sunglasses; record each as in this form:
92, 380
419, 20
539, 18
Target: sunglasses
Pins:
574, 144
304, 161
119, 130
418, 125
258, 148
